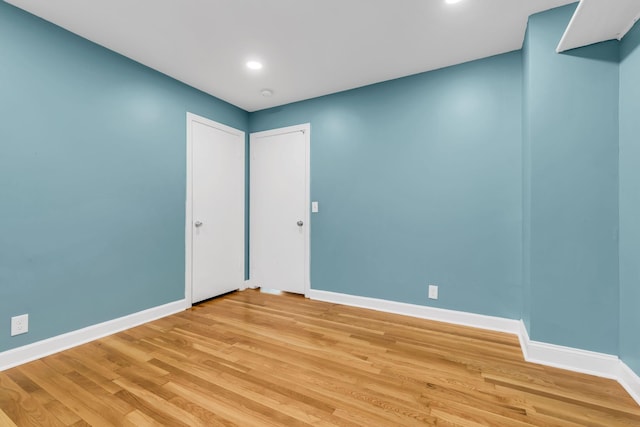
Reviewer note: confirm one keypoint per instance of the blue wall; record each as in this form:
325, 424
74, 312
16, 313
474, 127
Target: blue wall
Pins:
496, 179
419, 181
572, 148
92, 179
630, 199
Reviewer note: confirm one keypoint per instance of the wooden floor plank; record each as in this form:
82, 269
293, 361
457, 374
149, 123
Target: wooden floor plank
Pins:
5, 420
21, 407
254, 359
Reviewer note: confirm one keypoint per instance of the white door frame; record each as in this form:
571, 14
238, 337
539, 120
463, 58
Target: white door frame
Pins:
306, 131
188, 234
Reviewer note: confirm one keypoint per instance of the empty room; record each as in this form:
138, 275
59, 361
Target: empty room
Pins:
461, 239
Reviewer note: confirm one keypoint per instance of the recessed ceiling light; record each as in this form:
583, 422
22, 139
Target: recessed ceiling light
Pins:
452, 1
266, 92
254, 65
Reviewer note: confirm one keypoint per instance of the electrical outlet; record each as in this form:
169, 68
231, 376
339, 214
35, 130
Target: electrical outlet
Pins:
19, 325
433, 292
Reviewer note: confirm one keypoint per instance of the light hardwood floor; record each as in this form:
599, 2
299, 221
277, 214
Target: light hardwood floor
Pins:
253, 359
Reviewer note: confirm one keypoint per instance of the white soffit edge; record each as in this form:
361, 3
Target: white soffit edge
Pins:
596, 21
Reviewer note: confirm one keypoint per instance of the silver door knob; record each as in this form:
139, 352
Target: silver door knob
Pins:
198, 224
300, 223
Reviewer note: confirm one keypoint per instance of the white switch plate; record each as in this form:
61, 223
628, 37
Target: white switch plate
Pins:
433, 292
314, 207
19, 325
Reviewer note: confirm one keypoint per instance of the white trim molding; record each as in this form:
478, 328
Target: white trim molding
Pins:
498, 324
583, 361
523, 337
39, 349
630, 381
572, 359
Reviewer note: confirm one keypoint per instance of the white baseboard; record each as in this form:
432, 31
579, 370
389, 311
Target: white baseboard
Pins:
499, 324
523, 337
572, 359
37, 350
588, 362
630, 381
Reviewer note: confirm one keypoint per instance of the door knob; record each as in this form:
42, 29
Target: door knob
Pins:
300, 223
198, 224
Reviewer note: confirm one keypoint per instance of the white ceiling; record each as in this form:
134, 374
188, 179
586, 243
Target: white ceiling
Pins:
598, 20
309, 48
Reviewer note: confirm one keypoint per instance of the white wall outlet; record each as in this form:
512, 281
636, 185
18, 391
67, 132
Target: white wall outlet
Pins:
19, 325
433, 292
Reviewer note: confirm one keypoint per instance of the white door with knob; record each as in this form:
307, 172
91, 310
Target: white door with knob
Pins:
215, 208
279, 209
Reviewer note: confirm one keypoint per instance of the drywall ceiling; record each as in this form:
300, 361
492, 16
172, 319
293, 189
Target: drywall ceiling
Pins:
599, 20
308, 48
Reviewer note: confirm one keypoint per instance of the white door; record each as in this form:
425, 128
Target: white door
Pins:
279, 214
217, 218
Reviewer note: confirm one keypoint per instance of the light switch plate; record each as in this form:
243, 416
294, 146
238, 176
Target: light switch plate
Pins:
314, 207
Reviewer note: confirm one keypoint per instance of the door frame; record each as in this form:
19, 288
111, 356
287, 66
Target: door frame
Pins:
305, 128
188, 234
